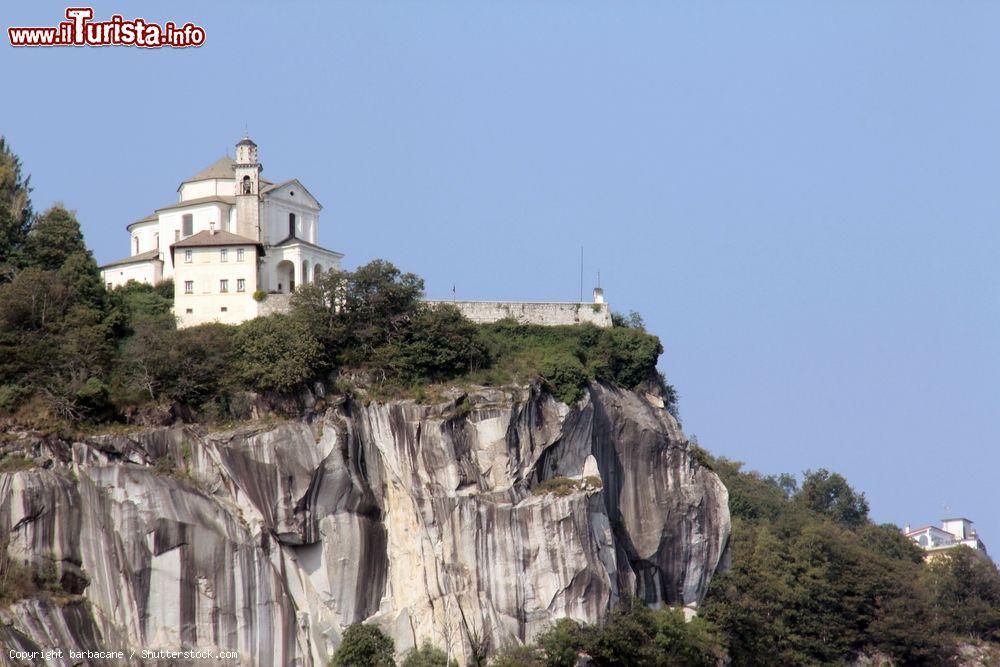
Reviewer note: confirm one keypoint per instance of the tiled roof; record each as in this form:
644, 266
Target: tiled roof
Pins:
152, 217
292, 240
134, 259
221, 199
219, 238
221, 168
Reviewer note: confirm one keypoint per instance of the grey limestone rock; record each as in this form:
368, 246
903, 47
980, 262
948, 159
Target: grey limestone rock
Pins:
272, 538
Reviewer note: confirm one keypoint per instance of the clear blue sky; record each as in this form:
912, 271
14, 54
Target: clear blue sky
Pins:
801, 198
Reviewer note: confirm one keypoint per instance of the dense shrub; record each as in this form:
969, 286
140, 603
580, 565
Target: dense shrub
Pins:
364, 645
275, 353
562, 643
56, 323
373, 319
426, 655
829, 494
564, 375
639, 636
813, 582
205, 360
965, 587
566, 357
518, 656
141, 300
442, 344
634, 636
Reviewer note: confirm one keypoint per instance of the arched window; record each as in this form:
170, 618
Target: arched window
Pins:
136, 239
291, 224
247, 185
922, 540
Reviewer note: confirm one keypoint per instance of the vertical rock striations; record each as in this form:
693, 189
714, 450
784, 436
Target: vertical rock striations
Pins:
477, 521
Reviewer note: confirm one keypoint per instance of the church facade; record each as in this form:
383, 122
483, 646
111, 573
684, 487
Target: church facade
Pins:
231, 234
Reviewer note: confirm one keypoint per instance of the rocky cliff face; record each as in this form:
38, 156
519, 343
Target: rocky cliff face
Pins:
271, 538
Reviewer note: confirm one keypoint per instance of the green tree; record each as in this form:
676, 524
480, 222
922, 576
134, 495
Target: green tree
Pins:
364, 645
359, 316
204, 364
561, 643
626, 356
441, 344
56, 340
15, 210
965, 587
808, 587
639, 636
276, 353
564, 375
53, 239
829, 494
144, 300
149, 363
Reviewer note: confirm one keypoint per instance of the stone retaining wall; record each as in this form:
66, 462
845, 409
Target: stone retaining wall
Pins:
547, 313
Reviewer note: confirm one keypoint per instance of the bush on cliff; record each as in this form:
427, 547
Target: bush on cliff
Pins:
364, 645
373, 319
566, 357
634, 636
637, 635
427, 655
276, 353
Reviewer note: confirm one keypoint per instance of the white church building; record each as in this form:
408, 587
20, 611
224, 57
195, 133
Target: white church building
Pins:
236, 246
231, 234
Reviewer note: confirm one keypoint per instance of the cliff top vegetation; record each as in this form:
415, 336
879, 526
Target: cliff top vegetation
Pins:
72, 352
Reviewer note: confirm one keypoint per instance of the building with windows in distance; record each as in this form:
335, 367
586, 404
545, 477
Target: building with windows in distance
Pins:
952, 533
231, 233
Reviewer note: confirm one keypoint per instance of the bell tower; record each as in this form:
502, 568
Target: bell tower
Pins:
247, 170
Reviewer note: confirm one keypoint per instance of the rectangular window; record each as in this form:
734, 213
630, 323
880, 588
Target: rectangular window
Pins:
224, 309
239, 254
187, 256
109, 287
241, 285
177, 235
187, 224
224, 255
189, 287
223, 285
188, 311
291, 224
